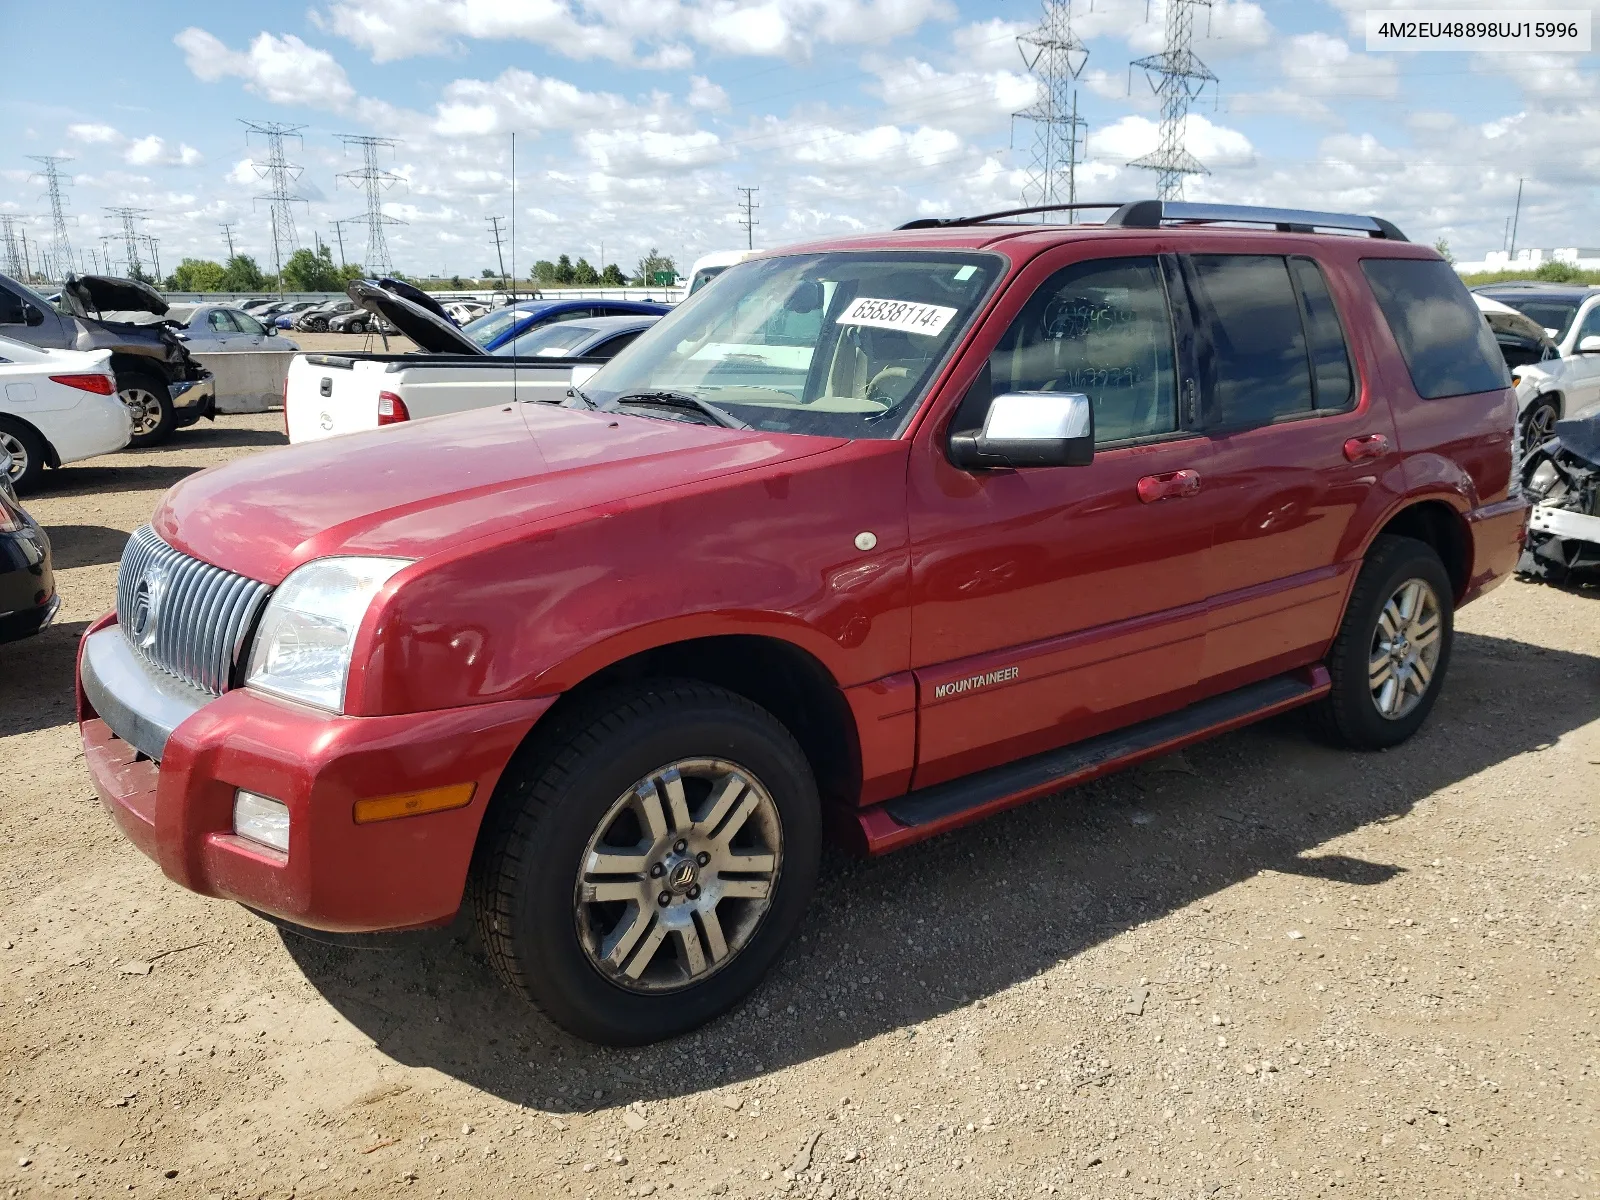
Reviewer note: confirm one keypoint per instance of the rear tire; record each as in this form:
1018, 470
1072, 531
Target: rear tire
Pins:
646, 860
1389, 659
28, 453
150, 402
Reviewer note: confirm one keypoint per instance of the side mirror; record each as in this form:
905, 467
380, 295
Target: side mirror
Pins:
32, 315
1029, 429
806, 297
1589, 345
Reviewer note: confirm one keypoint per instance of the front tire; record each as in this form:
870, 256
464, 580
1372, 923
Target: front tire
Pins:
647, 859
1539, 422
150, 403
1393, 648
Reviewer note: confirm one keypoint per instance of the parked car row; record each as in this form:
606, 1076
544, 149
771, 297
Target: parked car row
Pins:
867, 539
1554, 354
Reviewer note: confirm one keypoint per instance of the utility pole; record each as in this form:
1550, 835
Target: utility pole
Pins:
227, 232
130, 236
1182, 77
27, 267
105, 250
280, 175
374, 180
54, 180
8, 242
748, 220
1516, 220
494, 224
1055, 58
155, 255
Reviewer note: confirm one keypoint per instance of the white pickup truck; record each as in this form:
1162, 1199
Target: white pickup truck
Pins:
330, 394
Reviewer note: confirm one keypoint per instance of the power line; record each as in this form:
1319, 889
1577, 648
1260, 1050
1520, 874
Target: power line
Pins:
58, 222
748, 220
130, 236
494, 224
1182, 77
280, 175
374, 180
1055, 58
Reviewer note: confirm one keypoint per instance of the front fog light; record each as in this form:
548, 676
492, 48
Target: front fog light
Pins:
261, 819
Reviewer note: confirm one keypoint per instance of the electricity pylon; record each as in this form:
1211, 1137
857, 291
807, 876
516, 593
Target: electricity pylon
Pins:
280, 175
1055, 57
1181, 77
130, 236
61, 250
374, 180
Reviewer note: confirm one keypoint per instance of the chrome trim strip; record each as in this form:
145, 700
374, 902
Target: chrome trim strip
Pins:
142, 706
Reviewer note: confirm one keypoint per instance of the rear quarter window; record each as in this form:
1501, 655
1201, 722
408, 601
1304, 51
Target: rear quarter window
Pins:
1447, 346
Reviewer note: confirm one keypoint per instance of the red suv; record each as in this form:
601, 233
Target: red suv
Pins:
867, 539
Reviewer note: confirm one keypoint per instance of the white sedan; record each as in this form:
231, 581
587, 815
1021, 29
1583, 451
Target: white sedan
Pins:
57, 406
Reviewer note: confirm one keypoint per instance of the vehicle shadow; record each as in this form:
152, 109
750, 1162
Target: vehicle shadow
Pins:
892, 942
216, 436
85, 545
36, 679
81, 480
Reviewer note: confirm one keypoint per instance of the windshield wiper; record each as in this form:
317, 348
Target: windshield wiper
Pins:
684, 400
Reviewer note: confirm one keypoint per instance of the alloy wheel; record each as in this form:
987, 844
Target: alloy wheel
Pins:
1540, 425
1405, 649
13, 446
145, 407
678, 875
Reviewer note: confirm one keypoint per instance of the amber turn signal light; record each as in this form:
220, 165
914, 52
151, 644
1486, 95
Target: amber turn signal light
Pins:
412, 804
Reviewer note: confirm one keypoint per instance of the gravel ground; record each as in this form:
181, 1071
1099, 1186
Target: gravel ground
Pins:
1261, 968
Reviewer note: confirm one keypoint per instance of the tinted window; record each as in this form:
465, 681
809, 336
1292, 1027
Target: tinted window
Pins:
1445, 341
1256, 369
609, 349
11, 312
1333, 380
1101, 328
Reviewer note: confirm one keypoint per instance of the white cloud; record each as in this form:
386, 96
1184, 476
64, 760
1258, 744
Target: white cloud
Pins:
153, 151
705, 94
991, 44
1133, 136
617, 29
520, 100
650, 151
1320, 64
283, 69
94, 134
916, 92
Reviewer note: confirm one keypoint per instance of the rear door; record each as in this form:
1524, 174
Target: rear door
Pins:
1053, 604
1300, 447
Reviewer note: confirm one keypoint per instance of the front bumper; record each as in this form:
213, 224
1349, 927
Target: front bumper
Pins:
188, 394
177, 804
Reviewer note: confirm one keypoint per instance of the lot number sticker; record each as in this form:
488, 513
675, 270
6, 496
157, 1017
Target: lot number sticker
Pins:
904, 315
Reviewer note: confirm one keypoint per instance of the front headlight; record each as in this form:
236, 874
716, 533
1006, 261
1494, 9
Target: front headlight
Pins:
302, 647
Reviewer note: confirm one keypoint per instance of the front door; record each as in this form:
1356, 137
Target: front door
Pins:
1582, 371
1052, 604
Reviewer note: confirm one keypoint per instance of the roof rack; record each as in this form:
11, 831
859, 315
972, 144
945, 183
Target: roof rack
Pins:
1151, 214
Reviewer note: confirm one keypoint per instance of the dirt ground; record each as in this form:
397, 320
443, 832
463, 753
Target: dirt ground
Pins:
1261, 968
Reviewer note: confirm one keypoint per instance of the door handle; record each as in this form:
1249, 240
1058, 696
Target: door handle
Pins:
1175, 485
1373, 445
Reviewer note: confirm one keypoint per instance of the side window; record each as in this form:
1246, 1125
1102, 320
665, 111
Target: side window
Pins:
218, 320
1253, 343
1102, 328
1446, 344
1332, 378
575, 314
248, 324
11, 310
609, 349
1590, 326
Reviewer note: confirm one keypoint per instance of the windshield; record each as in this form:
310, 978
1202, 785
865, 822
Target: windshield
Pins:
840, 344
485, 329
549, 341
1555, 315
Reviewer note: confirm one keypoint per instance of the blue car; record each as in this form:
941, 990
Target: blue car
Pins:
495, 329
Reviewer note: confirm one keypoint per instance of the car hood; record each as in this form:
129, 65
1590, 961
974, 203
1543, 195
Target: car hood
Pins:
84, 295
422, 487
428, 327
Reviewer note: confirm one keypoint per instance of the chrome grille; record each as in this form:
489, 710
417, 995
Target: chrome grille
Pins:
182, 615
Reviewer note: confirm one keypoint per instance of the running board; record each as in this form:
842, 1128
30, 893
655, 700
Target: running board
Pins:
931, 810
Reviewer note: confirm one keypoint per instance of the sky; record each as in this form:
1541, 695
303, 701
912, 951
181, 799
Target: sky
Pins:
637, 121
